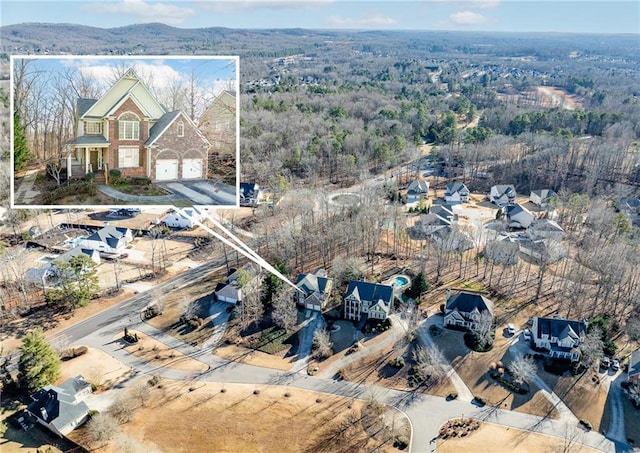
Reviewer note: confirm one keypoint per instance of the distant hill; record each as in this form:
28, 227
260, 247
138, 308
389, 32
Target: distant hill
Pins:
161, 39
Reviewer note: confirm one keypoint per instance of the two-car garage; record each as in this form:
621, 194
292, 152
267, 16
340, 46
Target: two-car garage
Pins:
169, 169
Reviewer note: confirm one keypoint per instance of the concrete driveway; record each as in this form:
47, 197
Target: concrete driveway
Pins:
202, 192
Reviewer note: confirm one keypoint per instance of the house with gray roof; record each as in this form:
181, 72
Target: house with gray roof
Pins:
502, 194
517, 216
465, 309
109, 239
367, 300
541, 197
46, 275
61, 409
315, 290
128, 129
240, 282
417, 190
545, 229
560, 337
456, 192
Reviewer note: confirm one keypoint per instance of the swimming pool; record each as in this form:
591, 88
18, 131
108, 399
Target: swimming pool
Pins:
400, 281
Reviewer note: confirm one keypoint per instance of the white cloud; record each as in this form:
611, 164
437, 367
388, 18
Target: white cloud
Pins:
157, 73
370, 20
470, 18
144, 11
474, 4
227, 6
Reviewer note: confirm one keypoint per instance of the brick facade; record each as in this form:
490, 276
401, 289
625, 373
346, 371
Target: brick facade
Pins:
115, 142
171, 146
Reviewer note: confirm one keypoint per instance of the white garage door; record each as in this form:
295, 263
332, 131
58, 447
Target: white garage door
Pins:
166, 169
191, 168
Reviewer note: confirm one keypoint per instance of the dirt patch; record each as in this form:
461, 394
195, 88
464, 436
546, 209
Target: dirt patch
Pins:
157, 353
244, 418
97, 367
253, 357
492, 438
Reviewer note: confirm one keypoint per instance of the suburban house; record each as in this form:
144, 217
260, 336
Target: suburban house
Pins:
517, 216
367, 300
546, 229
541, 197
316, 289
129, 130
428, 224
456, 192
61, 408
543, 250
250, 194
247, 278
465, 309
561, 337
502, 194
185, 218
46, 275
416, 190
443, 210
634, 367
108, 239
218, 123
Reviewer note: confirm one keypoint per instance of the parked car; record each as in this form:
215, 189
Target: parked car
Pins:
123, 256
526, 334
615, 365
605, 362
511, 329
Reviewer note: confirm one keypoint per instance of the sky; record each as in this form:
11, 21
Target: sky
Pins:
570, 16
214, 74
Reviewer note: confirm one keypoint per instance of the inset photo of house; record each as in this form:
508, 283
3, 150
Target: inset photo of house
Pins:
125, 130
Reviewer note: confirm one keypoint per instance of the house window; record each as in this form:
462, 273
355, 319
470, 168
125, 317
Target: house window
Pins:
128, 126
128, 157
93, 128
180, 129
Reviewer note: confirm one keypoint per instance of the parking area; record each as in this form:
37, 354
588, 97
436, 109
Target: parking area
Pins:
202, 192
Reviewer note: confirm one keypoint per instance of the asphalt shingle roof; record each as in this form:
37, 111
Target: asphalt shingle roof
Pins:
468, 302
161, 125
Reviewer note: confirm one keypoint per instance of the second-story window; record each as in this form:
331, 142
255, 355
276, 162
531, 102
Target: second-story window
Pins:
93, 128
128, 127
180, 129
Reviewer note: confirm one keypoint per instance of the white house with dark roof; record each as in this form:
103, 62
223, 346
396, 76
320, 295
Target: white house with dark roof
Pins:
417, 190
561, 337
185, 218
316, 289
232, 291
546, 229
517, 216
502, 194
46, 275
365, 299
109, 239
541, 197
465, 309
456, 192
250, 194
61, 409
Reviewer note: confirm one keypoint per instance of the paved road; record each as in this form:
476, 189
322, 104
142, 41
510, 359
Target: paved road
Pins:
305, 340
616, 425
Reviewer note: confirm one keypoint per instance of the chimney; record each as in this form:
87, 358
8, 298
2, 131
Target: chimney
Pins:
448, 293
44, 414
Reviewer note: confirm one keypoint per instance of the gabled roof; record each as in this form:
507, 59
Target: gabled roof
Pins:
546, 225
634, 364
110, 235
433, 219
468, 302
76, 251
519, 213
84, 104
417, 187
311, 283
455, 187
371, 292
248, 189
442, 210
504, 189
560, 328
543, 194
161, 125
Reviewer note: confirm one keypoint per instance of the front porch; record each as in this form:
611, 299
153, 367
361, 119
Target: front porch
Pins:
88, 159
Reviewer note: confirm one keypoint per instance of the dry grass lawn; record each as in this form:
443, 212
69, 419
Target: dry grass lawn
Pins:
473, 368
199, 417
253, 357
97, 367
157, 353
491, 438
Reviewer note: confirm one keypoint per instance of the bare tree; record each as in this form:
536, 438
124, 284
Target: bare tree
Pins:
482, 329
322, 344
122, 408
592, 346
428, 368
523, 369
141, 392
252, 308
101, 429
284, 314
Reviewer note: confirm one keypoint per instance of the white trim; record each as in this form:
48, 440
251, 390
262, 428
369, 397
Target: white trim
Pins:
135, 100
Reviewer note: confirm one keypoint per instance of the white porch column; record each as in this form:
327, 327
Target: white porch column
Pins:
68, 164
86, 159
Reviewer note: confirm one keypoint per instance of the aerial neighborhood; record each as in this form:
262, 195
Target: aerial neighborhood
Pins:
428, 243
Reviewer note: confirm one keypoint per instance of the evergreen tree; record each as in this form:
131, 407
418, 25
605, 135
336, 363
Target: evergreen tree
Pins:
77, 281
419, 286
21, 154
39, 363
